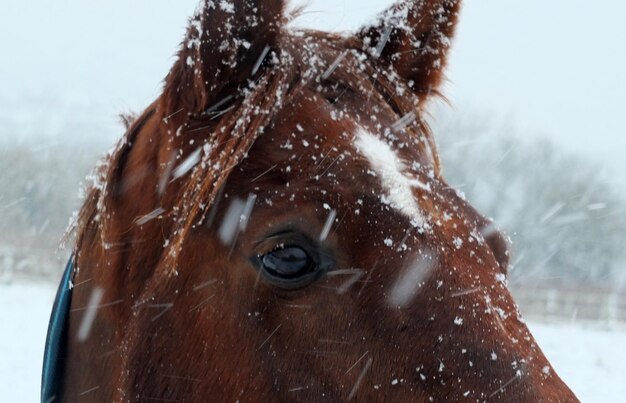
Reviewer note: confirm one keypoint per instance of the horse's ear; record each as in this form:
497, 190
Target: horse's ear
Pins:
413, 36
224, 47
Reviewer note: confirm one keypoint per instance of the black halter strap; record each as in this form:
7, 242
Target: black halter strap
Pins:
56, 341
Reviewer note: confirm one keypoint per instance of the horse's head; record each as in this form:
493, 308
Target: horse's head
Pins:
275, 227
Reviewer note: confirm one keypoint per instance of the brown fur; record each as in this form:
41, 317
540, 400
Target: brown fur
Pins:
187, 318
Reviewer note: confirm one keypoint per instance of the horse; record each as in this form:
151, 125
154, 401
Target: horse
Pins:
275, 227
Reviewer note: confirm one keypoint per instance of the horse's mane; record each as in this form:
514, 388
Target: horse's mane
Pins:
298, 63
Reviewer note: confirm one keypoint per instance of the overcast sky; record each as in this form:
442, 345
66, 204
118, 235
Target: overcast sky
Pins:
552, 68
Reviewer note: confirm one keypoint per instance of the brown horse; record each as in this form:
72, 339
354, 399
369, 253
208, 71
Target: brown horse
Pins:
275, 227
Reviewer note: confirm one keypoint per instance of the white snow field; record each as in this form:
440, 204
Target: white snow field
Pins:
591, 359
24, 313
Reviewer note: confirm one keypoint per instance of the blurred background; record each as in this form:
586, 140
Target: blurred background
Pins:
531, 132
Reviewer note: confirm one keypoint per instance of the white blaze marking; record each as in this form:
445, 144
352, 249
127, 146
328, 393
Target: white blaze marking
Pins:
391, 170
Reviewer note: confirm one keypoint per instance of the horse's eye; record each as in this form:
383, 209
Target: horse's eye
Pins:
289, 267
288, 262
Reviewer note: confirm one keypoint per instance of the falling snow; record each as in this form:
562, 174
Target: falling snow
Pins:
90, 312
401, 191
188, 163
409, 281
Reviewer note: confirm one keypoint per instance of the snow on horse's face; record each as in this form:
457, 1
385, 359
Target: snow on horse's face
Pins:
279, 229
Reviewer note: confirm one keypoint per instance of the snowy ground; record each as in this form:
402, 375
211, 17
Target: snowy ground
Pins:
592, 360
24, 314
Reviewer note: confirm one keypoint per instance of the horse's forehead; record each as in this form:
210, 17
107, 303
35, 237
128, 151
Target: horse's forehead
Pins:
350, 153
396, 183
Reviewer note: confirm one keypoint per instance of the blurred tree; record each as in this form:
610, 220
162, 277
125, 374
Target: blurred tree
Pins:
566, 220
39, 190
